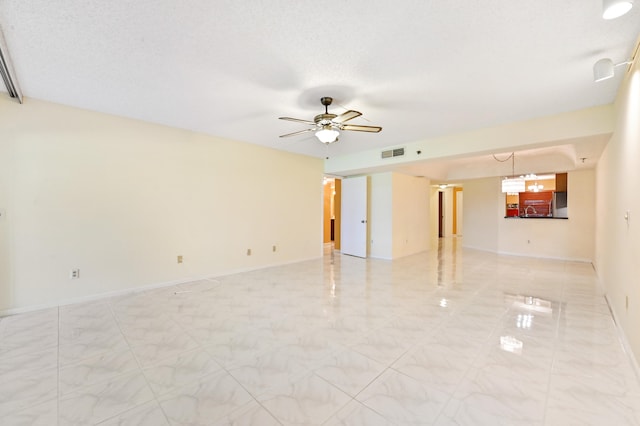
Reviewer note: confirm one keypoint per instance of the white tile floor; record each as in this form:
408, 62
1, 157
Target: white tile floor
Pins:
450, 337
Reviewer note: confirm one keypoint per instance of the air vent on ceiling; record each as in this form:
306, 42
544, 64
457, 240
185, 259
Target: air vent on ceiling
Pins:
393, 153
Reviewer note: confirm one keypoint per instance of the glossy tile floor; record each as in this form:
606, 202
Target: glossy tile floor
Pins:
450, 337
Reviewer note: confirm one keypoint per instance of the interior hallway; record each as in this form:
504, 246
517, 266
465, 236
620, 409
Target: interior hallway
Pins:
449, 337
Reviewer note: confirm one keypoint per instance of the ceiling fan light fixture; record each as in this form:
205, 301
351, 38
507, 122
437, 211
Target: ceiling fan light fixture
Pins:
326, 126
327, 135
612, 9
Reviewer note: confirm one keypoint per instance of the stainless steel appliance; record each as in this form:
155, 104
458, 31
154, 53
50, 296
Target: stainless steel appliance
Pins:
560, 204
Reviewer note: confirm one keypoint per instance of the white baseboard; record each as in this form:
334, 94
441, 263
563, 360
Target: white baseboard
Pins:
139, 289
566, 259
533, 256
98, 296
623, 338
380, 258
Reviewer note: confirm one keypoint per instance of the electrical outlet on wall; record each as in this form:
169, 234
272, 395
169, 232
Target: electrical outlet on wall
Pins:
626, 303
74, 274
179, 258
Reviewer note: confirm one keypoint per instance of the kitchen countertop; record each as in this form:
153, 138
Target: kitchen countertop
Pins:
534, 217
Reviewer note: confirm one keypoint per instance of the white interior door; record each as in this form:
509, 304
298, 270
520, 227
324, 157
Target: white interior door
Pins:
353, 233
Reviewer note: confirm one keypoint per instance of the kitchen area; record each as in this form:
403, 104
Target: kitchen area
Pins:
544, 197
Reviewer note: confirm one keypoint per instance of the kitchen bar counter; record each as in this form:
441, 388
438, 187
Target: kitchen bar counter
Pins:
534, 217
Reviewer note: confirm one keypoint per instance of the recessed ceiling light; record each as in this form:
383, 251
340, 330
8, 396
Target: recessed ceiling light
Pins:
612, 9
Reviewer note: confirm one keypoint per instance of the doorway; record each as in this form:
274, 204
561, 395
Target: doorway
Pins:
332, 196
440, 214
355, 224
457, 211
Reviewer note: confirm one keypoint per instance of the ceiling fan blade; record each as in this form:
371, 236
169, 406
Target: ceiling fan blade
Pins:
346, 116
297, 120
298, 133
372, 129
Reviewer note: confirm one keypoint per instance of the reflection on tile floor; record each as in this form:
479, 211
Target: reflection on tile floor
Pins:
449, 337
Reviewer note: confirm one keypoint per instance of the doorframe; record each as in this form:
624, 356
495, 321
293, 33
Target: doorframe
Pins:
440, 214
456, 189
337, 210
364, 221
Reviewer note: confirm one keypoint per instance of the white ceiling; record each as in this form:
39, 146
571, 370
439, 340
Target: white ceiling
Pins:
419, 69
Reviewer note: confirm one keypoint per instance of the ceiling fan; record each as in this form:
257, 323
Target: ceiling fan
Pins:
327, 126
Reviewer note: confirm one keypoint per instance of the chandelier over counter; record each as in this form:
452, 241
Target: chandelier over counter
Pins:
512, 184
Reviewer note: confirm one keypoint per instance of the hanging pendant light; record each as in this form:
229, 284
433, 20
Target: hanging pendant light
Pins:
512, 184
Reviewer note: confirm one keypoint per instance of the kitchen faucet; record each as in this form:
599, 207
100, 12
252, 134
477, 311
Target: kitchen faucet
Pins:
526, 211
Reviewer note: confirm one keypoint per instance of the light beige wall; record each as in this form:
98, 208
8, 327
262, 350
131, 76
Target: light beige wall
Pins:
617, 239
400, 215
481, 213
381, 217
433, 218
411, 215
6, 179
448, 212
120, 199
458, 207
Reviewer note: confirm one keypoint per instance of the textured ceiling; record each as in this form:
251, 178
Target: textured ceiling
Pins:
417, 68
